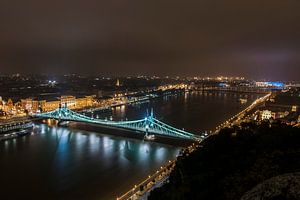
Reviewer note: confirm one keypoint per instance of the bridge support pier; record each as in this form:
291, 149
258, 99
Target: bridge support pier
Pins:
62, 123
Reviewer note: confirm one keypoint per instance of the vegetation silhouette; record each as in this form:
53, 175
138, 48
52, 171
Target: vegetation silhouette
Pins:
233, 161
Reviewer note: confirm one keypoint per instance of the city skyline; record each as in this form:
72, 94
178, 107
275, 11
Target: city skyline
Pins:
252, 39
150, 100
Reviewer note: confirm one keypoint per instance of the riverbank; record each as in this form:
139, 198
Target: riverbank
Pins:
141, 190
70, 163
236, 119
233, 162
141, 194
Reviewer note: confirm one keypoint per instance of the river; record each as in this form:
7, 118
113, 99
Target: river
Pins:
70, 163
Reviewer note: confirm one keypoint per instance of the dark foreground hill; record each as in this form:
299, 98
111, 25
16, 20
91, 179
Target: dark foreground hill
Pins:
234, 163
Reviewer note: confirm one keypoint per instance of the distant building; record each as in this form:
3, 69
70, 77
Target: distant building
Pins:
30, 105
49, 105
10, 104
86, 101
276, 84
1, 104
295, 85
33, 106
69, 101
118, 83
266, 114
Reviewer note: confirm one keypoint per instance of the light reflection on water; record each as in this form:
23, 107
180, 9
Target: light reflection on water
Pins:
80, 151
67, 163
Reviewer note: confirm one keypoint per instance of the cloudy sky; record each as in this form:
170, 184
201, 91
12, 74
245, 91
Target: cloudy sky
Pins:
257, 38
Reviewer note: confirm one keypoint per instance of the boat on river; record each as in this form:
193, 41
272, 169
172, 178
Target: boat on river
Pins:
15, 129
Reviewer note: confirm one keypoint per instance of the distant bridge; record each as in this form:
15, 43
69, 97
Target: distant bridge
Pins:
148, 125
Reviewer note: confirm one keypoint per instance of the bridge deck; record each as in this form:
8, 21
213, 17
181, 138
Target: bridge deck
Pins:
147, 125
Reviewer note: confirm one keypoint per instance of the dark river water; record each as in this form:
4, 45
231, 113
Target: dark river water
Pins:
70, 163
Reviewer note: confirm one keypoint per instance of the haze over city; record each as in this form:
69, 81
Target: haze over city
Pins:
150, 100
255, 39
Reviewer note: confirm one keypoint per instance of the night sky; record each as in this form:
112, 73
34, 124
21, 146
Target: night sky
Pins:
256, 39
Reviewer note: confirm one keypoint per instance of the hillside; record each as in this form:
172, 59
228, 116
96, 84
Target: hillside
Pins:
233, 162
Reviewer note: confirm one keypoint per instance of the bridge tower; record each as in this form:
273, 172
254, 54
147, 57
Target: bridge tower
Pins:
148, 121
62, 106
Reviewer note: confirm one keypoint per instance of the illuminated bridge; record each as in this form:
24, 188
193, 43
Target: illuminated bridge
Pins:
148, 125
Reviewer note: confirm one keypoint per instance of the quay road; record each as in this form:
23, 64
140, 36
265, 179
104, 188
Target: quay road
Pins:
148, 184
142, 190
236, 119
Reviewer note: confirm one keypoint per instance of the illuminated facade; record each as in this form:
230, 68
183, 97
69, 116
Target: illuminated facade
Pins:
294, 108
266, 114
10, 104
69, 101
49, 105
278, 85
170, 86
33, 106
84, 102
30, 105
118, 83
1, 103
